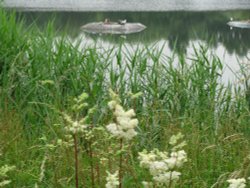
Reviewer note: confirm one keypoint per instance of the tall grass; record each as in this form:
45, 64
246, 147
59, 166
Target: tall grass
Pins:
41, 72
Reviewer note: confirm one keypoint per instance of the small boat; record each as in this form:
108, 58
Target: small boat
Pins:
107, 27
240, 24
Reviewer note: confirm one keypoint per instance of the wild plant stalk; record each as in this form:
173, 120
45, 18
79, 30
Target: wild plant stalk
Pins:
77, 128
120, 163
76, 161
122, 128
91, 165
170, 181
98, 174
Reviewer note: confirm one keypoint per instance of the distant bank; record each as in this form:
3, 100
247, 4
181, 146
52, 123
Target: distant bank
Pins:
127, 5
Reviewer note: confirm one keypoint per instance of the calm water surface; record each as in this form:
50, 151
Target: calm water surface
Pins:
178, 30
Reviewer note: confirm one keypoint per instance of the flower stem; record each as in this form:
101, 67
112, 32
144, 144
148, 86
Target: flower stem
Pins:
120, 164
98, 174
92, 165
170, 180
76, 161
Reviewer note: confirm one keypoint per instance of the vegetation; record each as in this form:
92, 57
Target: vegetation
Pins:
57, 122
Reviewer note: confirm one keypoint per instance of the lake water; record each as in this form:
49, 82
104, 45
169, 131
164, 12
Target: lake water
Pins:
171, 23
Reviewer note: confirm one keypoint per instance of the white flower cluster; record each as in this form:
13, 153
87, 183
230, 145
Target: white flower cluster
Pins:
68, 142
147, 184
237, 183
162, 165
74, 127
79, 102
135, 95
125, 124
112, 180
175, 142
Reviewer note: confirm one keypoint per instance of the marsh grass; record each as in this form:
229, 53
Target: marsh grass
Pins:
42, 70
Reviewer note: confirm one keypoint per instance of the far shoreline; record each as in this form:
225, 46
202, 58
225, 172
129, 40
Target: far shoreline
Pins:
128, 6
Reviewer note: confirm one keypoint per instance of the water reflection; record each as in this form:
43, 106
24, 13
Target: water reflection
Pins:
178, 28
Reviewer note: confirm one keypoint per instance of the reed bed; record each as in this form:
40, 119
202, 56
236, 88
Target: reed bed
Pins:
42, 73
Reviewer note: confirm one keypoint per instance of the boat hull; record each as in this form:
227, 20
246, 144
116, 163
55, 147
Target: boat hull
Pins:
239, 24
113, 28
